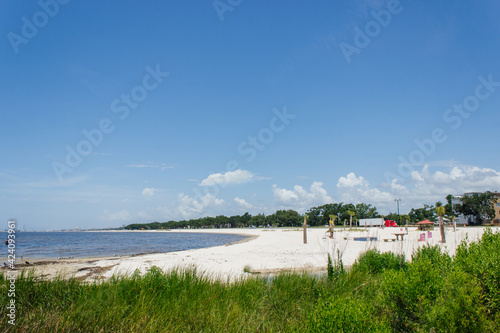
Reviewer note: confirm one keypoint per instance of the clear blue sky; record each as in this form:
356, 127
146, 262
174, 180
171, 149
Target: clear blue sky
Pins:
221, 107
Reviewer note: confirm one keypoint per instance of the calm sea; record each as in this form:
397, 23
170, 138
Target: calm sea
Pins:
51, 245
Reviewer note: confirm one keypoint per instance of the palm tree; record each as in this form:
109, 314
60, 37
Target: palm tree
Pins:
351, 213
440, 211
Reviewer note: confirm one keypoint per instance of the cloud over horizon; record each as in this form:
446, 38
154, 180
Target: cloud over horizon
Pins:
299, 198
424, 187
243, 203
189, 207
229, 178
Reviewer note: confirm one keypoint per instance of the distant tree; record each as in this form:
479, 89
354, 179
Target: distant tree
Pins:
449, 206
420, 214
478, 205
392, 216
222, 221
289, 218
344, 211
284, 218
366, 211
257, 220
320, 215
245, 219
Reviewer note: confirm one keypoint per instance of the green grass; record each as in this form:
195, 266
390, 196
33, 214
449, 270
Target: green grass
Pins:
380, 293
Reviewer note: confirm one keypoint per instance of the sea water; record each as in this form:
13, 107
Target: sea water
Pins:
53, 245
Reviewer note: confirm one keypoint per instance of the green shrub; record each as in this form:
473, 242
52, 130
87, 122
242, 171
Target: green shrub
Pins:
482, 260
407, 295
456, 308
329, 267
374, 262
335, 269
346, 313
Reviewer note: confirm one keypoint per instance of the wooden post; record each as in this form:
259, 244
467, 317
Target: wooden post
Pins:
305, 229
331, 225
441, 229
440, 211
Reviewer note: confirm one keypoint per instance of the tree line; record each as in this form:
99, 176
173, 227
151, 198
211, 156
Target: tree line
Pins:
479, 205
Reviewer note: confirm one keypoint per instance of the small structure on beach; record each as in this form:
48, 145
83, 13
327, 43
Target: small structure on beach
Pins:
425, 225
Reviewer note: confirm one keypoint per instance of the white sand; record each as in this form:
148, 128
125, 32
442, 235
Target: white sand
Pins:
270, 250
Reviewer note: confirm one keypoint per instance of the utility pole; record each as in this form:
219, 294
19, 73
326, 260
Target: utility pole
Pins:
397, 202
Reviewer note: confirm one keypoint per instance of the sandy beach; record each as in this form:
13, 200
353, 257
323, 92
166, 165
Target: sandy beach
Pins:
265, 251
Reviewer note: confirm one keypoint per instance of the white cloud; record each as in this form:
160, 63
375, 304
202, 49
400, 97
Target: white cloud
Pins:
243, 203
356, 189
457, 180
190, 208
152, 165
423, 187
300, 199
351, 181
231, 177
148, 192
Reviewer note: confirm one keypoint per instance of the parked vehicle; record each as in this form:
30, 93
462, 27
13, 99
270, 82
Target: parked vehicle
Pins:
390, 223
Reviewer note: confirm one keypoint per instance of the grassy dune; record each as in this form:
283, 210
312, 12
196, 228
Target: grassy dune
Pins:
379, 293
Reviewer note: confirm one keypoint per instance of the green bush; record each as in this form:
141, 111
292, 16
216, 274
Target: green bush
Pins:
335, 269
456, 308
374, 262
345, 314
407, 295
482, 260
433, 294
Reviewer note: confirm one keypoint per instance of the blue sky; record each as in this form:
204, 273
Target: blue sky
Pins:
124, 111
